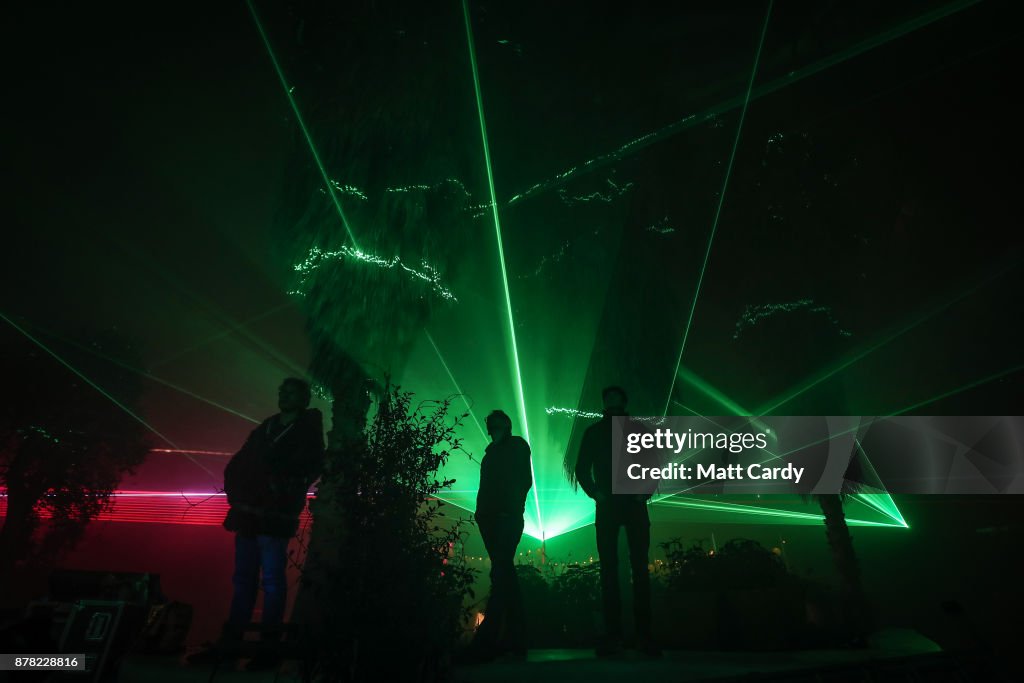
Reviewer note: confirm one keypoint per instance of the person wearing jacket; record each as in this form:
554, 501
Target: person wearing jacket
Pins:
505, 479
266, 484
593, 472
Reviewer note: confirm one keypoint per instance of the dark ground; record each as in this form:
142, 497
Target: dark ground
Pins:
568, 666
951, 581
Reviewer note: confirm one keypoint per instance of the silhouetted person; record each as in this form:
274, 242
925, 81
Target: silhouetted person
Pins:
593, 472
505, 480
266, 484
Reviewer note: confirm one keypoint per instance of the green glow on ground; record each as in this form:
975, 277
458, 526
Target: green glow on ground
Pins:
880, 506
721, 201
501, 253
328, 183
879, 502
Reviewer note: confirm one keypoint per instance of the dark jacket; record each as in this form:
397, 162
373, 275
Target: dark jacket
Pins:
505, 478
267, 480
594, 464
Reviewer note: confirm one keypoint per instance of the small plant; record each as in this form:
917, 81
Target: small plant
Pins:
393, 598
738, 564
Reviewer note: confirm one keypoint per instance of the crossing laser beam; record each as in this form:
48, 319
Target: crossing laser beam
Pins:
469, 406
239, 326
711, 392
331, 191
914, 406
961, 389
791, 78
153, 378
758, 511
101, 390
830, 372
721, 201
501, 250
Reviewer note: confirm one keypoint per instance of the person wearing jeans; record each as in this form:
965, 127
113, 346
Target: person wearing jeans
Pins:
255, 555
266, 484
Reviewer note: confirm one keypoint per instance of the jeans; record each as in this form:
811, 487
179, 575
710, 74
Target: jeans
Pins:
632, 515
253, 553
504, 625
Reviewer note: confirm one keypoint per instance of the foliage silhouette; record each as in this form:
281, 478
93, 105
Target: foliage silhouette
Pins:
393, 594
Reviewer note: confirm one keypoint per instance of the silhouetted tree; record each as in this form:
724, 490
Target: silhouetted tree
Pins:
391, 588
64, 446
779, 346
374, 259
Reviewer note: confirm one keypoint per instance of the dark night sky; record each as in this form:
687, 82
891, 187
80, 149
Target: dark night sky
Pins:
142, 139
148, 151
146, 147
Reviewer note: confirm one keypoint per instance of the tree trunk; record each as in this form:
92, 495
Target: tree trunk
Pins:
16, 534
855, 610
327, 537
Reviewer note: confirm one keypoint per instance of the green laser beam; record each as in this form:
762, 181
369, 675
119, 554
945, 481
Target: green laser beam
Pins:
569, 530
721, 202
469, 406
757, 423
711, 392
758, 511
501, 250
154, 267
149, 376
777, 456
886, 507
919, 404
239, 326
332, 187
709, 114
760, 425
100, 389
918, 321
830, 372
959, 390
302, 124
448, 501
881, 501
